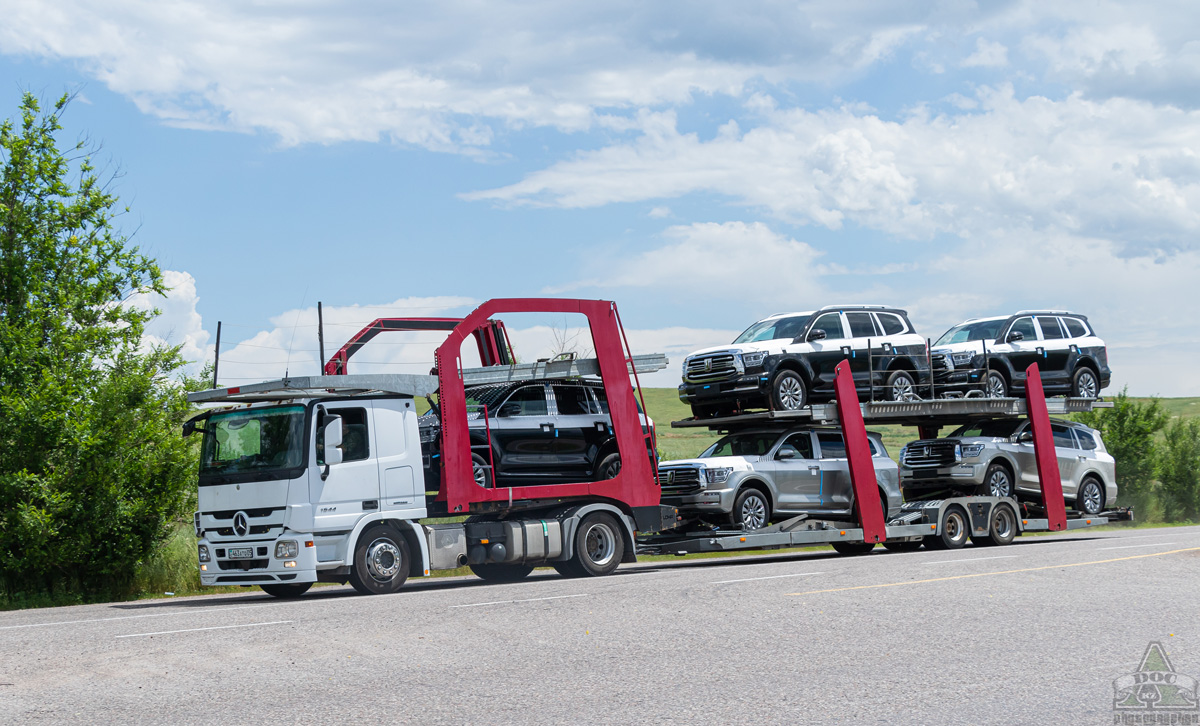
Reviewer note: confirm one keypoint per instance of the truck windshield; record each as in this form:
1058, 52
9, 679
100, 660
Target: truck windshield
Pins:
983, 330
254, 441
772, 329
744, 444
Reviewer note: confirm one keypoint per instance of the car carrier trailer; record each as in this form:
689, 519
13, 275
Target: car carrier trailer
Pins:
948, 522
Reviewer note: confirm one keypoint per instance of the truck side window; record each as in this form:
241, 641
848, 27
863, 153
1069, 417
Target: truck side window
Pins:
832, 446
355, 436
831, 323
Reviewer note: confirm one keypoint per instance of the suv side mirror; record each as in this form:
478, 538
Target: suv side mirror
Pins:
510, 409
817, 334
1025, 437
333, 440
785, 454
1015, 335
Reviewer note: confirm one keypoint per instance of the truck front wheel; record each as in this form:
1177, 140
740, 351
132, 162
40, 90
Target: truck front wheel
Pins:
380, 561
598, 546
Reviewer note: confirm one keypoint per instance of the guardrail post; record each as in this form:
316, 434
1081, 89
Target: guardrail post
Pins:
867, 506
1043, 446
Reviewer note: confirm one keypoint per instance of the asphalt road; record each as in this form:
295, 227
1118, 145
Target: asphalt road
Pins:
1031, 633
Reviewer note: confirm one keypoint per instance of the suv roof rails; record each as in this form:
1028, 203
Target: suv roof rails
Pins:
858, 307
1043, 312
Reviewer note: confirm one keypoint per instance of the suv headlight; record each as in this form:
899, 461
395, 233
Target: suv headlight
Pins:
754, 360
970, 451
286, 549
718, 475
963, 358
204, 553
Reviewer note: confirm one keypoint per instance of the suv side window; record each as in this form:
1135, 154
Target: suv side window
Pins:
892, 324
572, 400
1075, 327
1050, 329
1062, 436
861, 325
831, 323
1087, 442
801, 443
1024, 326
526, 401
832, 446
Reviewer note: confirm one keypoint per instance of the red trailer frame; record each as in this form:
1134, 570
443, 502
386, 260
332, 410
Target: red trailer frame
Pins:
492, 339
637, 483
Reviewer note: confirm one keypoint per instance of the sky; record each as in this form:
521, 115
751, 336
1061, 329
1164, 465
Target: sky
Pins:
703, 164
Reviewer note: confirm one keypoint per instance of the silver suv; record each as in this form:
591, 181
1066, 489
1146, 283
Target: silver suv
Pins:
997, 458
752, 477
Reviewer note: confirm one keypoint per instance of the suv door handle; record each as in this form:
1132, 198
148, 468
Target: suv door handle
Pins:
1081, 458
814, 468
547, 428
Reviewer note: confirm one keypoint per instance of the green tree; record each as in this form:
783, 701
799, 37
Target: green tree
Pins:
1178, 468
1128, 429
93, 470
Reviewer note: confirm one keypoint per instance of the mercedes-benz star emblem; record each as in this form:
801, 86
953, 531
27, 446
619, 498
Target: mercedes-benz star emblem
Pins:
241, 524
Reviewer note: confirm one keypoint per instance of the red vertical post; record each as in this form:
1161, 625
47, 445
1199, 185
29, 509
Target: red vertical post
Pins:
867, 506
1043, 447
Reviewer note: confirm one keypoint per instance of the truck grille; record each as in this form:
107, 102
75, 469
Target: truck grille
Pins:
706, 368
924, 454
679, 481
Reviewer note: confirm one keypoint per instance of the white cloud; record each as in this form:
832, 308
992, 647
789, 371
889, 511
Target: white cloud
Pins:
987, 54
178, 322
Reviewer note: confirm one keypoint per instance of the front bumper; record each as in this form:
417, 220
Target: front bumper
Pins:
962, 474
959, 378
707, 500
750, 388
262, 568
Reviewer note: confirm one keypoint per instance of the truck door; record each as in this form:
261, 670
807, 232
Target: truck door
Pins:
352, 487
524, 432
837, 493
796, 473
400, 468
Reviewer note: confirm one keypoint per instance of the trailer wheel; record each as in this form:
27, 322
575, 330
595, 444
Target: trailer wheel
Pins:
500, 572
380, 561
295, 589
852, 548
598, 546
954, 530
788, 392
1002, 527
902, 546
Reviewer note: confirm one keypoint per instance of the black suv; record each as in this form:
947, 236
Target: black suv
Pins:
992, 354
539, 432
787, 361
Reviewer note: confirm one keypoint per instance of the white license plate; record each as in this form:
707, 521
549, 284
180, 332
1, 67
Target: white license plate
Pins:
241, 553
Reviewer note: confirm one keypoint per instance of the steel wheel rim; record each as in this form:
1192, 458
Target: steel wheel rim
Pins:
480, 474
955, 527
600, 544
754, 512
1091, 497
995, 386
1002, 523
383, 560
999, 485
791, 393
1087, 385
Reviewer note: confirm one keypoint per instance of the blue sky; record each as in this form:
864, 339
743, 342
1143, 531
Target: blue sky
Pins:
702, 164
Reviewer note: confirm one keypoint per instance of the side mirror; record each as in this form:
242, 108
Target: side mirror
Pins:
1015, 335
785, 454
510, 409
333, 440
816, 335
1025, 437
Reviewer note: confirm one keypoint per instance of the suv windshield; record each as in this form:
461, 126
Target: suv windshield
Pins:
253, 441
983, 330
773, 329
988, 429
746, 444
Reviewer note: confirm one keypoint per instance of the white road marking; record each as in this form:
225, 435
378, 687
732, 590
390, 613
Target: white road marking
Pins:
195, 630
768, 577
147, 615
970, 559
510, 602
1129, 547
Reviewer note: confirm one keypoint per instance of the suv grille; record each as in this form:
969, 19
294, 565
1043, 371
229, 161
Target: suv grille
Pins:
679, 481
939, 361
921, 454
705, 368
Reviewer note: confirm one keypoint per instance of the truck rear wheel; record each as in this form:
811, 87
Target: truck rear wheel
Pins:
954, 531
598, 546
500, 572
295, 589
380, 561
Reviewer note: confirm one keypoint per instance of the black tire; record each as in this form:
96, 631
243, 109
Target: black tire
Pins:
1002, 527
294, 589
997, 482
599, 546
380, 561
902, 546
566, 568
752, 508
994, 385
788, 392
1085, 383
500, 572
609, 467
954, 531
484, 476
852, 548
901, 387
1090, 497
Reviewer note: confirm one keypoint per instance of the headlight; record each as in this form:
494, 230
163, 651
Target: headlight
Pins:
719, 475
204, 553
961, 359
958, 452
286, 548
754, 360
428, 435
970, 451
